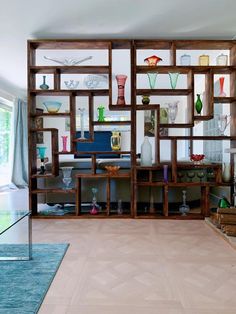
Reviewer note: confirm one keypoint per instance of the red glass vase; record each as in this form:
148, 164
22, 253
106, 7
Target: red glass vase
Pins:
64, 144
121, 79
221, 80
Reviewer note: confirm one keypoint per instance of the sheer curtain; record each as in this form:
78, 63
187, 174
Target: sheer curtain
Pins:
20, 153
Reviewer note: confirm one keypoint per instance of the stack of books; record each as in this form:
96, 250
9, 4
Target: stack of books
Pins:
225, 219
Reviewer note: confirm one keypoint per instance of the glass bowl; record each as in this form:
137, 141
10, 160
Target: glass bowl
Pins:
52, 106
71, 84
92, 81
112, 170
197, 158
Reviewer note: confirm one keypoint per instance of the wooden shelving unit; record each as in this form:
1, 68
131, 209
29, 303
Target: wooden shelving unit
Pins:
152, 176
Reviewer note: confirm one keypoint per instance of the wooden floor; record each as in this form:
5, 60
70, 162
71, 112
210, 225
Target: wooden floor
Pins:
137, 266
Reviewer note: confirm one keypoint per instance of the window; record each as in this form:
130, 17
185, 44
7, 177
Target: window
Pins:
5, 141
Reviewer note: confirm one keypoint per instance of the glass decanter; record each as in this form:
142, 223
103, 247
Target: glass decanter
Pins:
66, 179
184, 208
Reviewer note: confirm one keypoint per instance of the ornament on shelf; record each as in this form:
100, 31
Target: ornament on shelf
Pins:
184, 208
66, 177
173, 79
145, 100
223, 121
152, 76
116, 140
221, 81
165, 173
81, 111
152, 61
222, 59
95, 207
185, 60
173, 111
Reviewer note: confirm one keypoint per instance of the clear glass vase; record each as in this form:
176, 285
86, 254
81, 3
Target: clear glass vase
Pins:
184, 208
81, 111
66, 177
172, 111
223, 121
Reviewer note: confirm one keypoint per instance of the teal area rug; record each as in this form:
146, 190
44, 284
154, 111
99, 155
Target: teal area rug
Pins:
24, 284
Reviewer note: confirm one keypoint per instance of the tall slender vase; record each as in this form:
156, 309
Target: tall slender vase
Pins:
121, 79
152, 76
173, 79
81, 110
64, 144
42, 151
222, 93
198, 104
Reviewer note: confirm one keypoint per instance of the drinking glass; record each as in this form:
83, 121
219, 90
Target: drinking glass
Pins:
190, 175
200, 175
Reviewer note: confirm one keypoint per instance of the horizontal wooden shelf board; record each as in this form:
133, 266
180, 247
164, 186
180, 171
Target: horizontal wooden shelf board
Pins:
171, 92
148, 107
45, 175
69, 92
70, 44
203, 118
176, 125
224, 100
81, 140
120, 107
111, 123
119, 152
63, 191
104, 175
70, 69
47, 114
44, 130
206, 138
163, 69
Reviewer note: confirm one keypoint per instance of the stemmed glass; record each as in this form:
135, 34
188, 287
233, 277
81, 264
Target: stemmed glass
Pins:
66, 172
200, 175
180, 176
190, 175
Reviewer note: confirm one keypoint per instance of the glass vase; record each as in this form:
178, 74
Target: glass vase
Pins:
221, 81
64, 144
184, 208
145, 100
165, 173
173, 79
66, 179
81, 111
198, 104
121, 79
146, 153
101, 116
116, 141
172, 111
152, 76
44, 85
223, 121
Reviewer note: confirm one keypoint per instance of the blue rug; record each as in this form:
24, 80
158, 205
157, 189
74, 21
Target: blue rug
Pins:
24, 284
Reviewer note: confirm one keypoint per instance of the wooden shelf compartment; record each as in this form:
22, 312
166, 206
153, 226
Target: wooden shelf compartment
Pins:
70, 69
164, 92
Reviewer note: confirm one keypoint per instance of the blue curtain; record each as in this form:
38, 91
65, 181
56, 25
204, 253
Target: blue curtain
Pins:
20, 153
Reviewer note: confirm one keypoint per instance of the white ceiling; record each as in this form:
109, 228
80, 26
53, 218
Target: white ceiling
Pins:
174, 19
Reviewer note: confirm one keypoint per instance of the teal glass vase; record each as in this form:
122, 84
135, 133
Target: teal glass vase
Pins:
173, 79
152, 76
198, 104
44, 85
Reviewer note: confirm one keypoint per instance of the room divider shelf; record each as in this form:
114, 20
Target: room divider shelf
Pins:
141, 179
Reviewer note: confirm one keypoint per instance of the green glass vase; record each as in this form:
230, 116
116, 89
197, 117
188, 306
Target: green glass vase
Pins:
223, 203
198, 104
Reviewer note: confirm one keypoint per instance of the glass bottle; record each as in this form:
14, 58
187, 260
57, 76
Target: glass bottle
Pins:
44, 85
198, 104
204, 60
185, 60
146, 153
